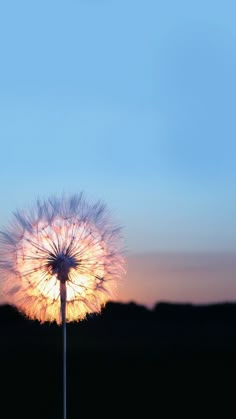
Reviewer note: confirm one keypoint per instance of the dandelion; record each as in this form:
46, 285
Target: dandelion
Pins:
60, 260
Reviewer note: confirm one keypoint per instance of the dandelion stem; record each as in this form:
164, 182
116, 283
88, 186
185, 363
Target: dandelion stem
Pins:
63, 321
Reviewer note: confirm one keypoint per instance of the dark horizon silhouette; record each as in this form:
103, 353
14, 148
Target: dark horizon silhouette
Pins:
130, 357
185, 325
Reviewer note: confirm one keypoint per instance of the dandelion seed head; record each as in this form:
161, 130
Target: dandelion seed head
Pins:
61, 240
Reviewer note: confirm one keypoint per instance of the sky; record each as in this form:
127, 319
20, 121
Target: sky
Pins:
131, 101
196, 278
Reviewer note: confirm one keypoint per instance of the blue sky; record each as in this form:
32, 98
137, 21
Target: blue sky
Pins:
131, 101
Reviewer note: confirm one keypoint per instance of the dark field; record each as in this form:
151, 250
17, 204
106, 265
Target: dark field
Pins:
176, 360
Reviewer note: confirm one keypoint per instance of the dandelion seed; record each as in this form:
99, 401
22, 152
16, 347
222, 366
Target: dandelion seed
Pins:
59, 261
60, 241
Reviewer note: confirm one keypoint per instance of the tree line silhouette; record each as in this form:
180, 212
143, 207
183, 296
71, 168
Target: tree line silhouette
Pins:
129, 357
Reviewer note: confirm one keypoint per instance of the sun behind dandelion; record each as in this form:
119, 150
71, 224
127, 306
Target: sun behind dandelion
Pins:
60, 241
